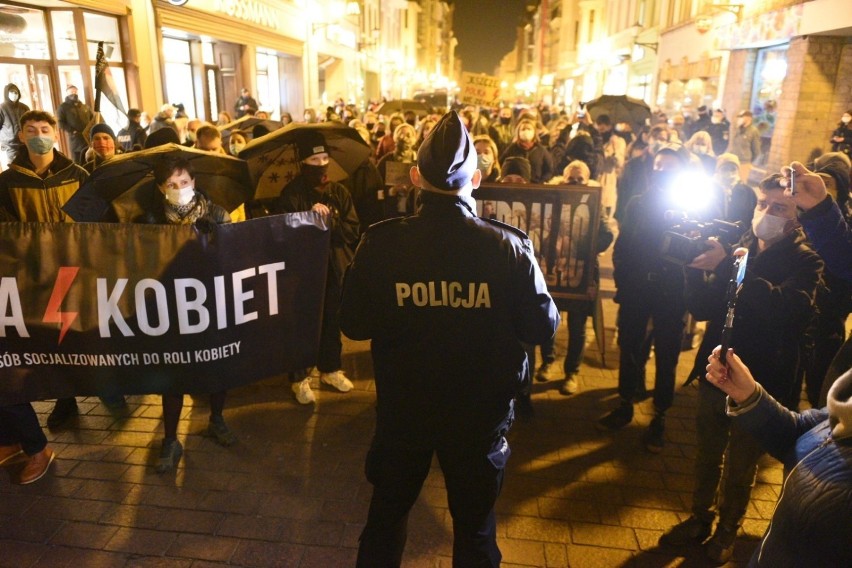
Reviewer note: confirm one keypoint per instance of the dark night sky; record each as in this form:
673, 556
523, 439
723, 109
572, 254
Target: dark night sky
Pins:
486, 31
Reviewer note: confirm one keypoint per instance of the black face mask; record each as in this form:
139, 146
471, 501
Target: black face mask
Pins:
314, 175
505, 119
72, 98
370, 125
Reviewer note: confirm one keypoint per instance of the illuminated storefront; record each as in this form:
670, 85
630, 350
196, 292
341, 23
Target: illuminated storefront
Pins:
47, 46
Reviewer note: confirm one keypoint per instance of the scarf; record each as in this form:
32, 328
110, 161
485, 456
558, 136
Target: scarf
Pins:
186, 214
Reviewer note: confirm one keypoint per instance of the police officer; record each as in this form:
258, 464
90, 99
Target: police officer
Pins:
446, 298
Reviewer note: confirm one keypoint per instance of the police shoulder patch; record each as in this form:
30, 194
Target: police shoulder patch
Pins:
506, 226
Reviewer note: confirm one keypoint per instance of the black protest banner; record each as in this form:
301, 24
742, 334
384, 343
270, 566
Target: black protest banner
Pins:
101, 309
562, 223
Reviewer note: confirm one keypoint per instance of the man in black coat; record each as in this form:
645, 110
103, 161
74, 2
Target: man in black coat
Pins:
245, 104
446, 298
774, 306
74, 115
11, 110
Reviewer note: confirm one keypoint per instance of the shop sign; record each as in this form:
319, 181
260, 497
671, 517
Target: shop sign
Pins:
761, 30
482, 90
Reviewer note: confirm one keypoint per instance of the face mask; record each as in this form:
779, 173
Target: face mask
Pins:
236, 148
727, 181
700, 148
13, 96
72, 98
180, 196
845, 119
405, 143
716, 120
484, 163
40, 144
314, 175
505, 119
740, 122
768, 227
575, 181
190, 136
526, 135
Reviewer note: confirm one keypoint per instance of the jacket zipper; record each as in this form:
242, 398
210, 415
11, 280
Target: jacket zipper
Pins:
783, 488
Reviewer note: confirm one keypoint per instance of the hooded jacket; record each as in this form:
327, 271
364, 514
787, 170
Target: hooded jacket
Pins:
10, 117
811, 525
773, 308
27, 197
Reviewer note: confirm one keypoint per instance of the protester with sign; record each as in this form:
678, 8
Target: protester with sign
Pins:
313, 191
183, 204
34, 189
393, 167
446, 298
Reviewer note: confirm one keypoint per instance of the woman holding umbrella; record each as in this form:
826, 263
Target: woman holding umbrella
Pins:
179, 203
312, 191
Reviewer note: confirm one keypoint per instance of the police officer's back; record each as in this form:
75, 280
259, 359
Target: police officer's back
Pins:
446, 298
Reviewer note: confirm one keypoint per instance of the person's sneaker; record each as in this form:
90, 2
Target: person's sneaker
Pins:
691, 531
617, 419
541, 374
220, 431
169, 456
654, 438
568, 386
9, 453
337, 380
720, 547
64, 410
302, 391
36, 466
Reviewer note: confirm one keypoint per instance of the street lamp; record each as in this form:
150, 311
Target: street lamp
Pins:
635, 30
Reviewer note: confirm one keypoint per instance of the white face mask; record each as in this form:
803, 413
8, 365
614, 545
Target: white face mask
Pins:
768, 228
180, 196
526, 135
13, 96
236, 148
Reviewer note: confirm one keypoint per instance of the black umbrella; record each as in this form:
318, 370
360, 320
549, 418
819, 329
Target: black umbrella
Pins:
125, 183
246, 124
620, 108
273, 160
402, 105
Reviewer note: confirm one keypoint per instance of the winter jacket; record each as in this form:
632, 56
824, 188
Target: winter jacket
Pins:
541, 162
10, 118
73, 116
161, 120
745, 143
811, 525
844, 131
774, 307
343, 223
243, 101
830, 236
131, 136
446, 298
27, 197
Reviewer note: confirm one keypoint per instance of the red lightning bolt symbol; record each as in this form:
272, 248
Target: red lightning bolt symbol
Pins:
64, 279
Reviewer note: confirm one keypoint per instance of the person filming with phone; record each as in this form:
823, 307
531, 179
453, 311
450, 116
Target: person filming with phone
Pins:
774, 305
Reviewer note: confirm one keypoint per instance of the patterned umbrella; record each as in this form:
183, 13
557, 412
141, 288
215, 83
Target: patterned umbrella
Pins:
273, 161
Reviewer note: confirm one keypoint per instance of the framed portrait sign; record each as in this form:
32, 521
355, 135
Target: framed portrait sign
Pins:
562, 223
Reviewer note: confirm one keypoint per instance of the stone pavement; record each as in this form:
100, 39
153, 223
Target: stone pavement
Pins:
292, 492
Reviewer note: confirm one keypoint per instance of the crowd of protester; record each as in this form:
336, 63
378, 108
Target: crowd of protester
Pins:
791, 310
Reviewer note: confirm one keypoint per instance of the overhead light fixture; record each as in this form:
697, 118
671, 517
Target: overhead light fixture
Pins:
635, 30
